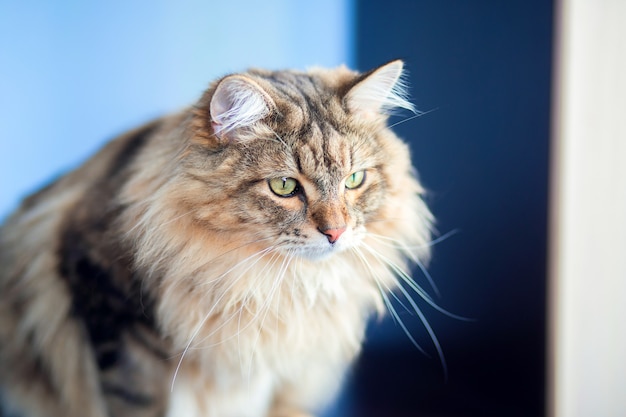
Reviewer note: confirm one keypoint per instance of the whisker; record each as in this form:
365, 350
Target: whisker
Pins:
383, 293
412, 247
407, 251
243, 245
414, 286
255, 314
376, 277
416, 309
390, 307
419, 114
275, 284
280, 287
280, 139
430, 331
202, 322
176, 218
444, 237
401, 273
139, 223
239, 311
214, 259
260, 255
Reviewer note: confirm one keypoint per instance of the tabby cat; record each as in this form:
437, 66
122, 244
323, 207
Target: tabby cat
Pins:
221, 261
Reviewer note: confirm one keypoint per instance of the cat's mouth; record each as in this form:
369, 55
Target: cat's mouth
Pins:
319, 253
322, 248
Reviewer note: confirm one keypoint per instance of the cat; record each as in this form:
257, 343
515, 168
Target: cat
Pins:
221, 261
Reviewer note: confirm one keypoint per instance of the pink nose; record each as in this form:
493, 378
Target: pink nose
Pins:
333, 234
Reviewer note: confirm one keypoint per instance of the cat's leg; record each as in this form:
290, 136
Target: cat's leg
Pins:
220, 393
51, 368
312, 391
284, 410
46, 374
135, 379
287, 411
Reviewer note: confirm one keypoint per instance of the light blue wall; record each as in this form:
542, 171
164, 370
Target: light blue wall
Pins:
74, 73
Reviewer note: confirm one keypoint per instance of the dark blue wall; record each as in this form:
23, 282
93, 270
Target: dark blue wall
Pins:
483, 68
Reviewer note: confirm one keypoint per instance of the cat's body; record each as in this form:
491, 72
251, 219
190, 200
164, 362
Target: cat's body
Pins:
222, 261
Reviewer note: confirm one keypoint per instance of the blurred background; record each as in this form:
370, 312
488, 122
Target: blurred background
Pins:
74, 74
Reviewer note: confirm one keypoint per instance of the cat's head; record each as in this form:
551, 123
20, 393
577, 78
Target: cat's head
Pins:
303, 162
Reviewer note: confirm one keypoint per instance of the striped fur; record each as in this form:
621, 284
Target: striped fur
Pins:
164, 277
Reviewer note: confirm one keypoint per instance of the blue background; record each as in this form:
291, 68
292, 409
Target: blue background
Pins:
75, 74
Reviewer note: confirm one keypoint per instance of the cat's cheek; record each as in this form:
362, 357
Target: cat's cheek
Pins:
291, 204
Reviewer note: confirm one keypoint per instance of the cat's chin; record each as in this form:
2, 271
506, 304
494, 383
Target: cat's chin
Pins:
320, 252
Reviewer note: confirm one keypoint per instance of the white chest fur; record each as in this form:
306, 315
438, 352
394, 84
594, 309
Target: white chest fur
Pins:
292, 348
193, 396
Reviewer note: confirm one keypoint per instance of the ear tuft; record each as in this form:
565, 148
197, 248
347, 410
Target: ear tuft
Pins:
381, 91
237, 102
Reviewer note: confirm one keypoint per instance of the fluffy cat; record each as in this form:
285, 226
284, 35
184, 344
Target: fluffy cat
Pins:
222, 261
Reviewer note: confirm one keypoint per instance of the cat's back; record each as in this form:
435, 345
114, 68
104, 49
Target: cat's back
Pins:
46, 307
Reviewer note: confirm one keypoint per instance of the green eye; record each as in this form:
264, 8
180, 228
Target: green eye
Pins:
283, 187
355, 180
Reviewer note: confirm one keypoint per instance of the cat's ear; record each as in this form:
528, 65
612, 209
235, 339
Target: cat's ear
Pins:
380, 91
237, 102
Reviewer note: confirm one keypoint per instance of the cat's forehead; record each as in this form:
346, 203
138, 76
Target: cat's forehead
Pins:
327, 157
305, 102
311, 119
322, 154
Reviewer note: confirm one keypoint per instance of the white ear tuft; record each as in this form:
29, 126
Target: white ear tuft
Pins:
237, 102
382, 91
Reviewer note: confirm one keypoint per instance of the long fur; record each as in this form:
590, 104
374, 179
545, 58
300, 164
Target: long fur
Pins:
164, 277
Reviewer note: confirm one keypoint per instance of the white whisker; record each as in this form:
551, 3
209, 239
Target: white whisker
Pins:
206, 317
258, 254
216, 258
277, 282
397, 244
429, 329
415, 116
411, 283
390, 307
241, 308
416, 309
401, 273
378, 281
411, 255
254, 314
280, 139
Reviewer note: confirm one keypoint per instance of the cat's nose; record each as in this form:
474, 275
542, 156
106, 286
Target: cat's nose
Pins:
333, 234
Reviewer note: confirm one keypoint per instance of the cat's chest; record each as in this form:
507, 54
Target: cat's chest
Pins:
252, 359
281, 335
267, 314
254, 333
